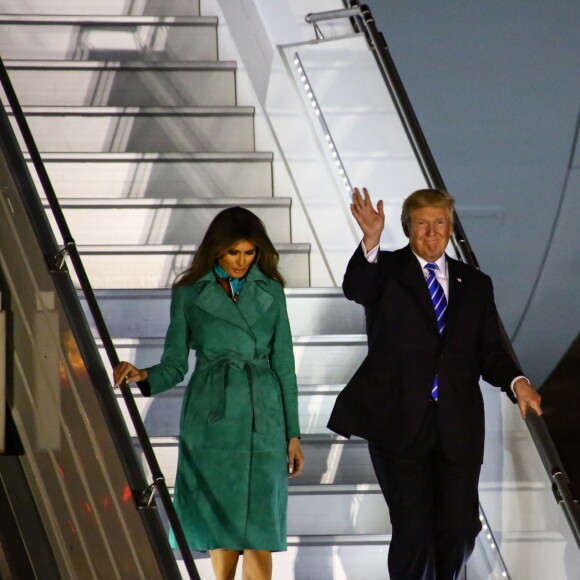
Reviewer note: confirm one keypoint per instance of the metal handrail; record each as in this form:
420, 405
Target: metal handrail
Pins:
553, 466
362, 20
142, 497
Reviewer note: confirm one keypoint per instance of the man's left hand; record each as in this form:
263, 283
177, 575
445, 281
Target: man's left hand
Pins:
527, 397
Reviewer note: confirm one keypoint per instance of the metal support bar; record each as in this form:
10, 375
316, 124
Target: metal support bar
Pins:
59, 259
314, 17
144, 498
2, 381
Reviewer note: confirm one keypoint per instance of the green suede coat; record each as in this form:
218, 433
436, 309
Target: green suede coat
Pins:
239, 410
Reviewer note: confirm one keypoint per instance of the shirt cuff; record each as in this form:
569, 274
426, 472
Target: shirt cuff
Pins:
514, 382
371, 255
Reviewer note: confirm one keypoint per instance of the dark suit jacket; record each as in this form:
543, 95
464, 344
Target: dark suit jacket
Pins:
389, 396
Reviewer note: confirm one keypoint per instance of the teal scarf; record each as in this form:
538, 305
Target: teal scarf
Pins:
236, 284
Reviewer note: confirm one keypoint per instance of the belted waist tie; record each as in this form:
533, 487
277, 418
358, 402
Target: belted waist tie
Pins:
257, 371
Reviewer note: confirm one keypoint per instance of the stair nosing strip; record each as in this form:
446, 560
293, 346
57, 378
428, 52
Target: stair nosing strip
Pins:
327, 489
328, 439
165, 293
169, 248
169, 202
318, 339
232, 111
178, 391
169, 157
106, 20
115, 65
339, 539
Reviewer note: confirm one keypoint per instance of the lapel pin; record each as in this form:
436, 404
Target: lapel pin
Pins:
459, 280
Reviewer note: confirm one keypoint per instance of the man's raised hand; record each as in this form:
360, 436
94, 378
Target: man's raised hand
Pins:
371, 221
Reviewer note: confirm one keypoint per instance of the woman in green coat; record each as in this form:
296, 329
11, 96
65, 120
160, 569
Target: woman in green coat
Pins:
239, 432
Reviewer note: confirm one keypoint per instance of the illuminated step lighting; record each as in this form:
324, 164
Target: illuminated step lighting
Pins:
495, 555
331, 147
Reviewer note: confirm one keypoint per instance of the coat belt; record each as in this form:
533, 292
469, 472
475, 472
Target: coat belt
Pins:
258, 373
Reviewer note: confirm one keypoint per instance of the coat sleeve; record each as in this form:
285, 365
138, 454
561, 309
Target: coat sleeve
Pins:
174, 361
282, 363
499, 365
362, 280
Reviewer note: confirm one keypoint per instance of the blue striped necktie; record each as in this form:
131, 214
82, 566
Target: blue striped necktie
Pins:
440, 305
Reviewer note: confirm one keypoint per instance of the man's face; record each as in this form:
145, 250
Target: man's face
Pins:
429, 232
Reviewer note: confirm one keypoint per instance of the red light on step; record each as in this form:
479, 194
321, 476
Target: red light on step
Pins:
127, 495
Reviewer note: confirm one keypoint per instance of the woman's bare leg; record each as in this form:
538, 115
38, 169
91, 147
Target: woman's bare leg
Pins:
257, 565
224, 563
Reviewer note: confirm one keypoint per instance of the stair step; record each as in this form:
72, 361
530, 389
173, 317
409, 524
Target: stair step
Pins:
161, 414
123, 84
156, 266
143, 313
320, 360
163, 221
340, 540
147, 129
322, 512
173, 175
340, 557
330, 460
104, 7
77, 37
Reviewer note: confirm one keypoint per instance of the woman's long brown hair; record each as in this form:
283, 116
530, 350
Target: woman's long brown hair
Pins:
225, 231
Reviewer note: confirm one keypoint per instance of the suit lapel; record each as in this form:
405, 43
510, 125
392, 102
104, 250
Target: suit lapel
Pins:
455, 293
414, 279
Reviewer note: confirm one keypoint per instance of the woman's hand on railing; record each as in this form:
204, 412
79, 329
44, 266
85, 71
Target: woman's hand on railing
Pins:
371, 221
125, 372
528, 398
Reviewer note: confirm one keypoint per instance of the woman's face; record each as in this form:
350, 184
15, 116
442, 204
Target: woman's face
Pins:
238, 259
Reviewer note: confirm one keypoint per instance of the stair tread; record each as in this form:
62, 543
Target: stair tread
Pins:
140, 293
108, 20
168, 249
158, 157
50, 65
104, 111
131, 202
297, 339
338, 540
177, 391
327, 489
330, 438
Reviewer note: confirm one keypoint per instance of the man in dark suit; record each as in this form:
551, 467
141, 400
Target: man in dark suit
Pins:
433, 331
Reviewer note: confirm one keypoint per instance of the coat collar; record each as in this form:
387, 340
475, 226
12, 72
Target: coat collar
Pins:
252, 303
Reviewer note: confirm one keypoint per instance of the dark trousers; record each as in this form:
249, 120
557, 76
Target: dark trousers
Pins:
433, 504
